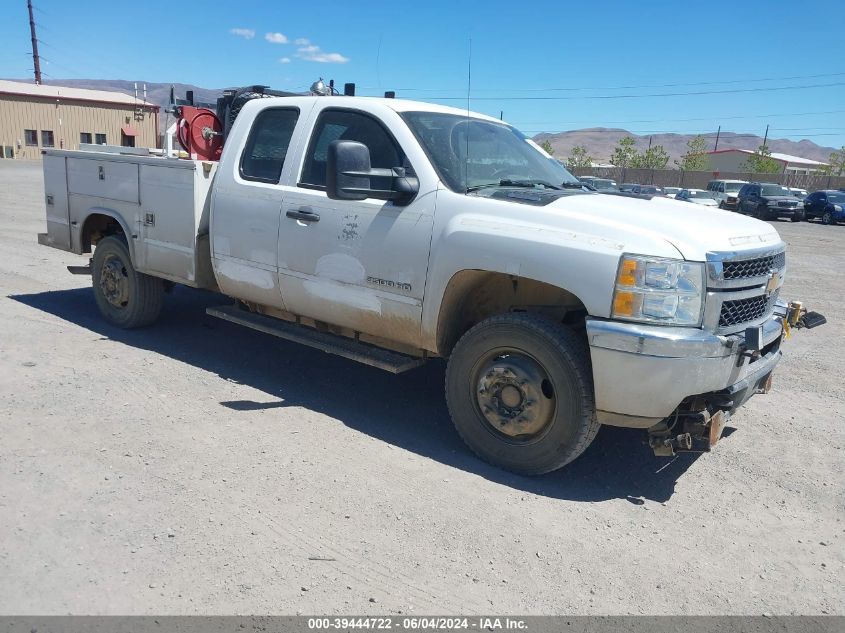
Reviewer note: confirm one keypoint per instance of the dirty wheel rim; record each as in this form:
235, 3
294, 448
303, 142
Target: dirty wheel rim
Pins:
114, 282
514, 395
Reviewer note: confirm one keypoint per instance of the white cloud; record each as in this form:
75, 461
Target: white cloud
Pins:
276, 38
302, 41
313, 53
284, 60
247, 34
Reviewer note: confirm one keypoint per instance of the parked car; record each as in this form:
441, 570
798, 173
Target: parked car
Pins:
726, 192
599, 184
627, 186
671, 192
829, 205
697, 196
769, 201
799, 193
648, 190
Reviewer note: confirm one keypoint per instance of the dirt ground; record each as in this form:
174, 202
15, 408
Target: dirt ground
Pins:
198, 467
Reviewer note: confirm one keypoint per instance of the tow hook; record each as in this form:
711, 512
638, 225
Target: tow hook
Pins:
701, 432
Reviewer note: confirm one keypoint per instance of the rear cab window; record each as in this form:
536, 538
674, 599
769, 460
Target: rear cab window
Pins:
267, 145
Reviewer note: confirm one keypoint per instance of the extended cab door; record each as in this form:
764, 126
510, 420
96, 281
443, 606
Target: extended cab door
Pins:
247, 202
357, 264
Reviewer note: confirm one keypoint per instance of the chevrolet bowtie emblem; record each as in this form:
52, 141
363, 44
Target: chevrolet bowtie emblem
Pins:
773, 283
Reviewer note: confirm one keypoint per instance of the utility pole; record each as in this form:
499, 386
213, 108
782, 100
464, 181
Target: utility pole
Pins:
718, 132
35, 58
766, 136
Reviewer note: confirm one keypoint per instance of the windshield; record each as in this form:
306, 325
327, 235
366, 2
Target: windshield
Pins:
836, 198
471, 153
700, 194
733, 187
775, 190
603, 183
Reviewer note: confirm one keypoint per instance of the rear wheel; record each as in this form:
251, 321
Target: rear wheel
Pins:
125, 297
519, 390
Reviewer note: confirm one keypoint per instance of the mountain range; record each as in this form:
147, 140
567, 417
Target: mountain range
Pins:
599, 141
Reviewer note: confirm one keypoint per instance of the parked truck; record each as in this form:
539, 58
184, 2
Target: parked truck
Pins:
392, 232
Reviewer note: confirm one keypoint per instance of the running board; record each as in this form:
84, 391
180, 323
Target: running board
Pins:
393, 362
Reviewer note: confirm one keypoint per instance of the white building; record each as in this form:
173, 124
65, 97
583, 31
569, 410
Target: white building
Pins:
734, 160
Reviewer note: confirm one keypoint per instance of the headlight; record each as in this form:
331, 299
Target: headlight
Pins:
837, 208
659, 290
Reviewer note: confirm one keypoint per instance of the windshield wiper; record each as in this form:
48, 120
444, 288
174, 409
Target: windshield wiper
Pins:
514, 183
576, 185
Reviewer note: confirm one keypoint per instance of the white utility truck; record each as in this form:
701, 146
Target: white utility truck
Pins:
391, 231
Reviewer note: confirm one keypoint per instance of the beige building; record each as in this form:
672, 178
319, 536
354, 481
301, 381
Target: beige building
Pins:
34, 117
734, 160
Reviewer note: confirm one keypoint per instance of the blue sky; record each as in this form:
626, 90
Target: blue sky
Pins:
573, 56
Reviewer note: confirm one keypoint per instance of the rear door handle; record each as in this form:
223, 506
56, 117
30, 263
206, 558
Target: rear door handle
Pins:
305, 216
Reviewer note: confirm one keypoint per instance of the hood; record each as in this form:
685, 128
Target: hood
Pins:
694, 230
780, 198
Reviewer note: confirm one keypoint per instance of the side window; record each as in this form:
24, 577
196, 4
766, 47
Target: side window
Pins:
265, 150
334, 125
722, 187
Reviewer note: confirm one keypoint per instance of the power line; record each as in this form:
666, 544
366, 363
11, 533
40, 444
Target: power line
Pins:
633, 87
647, 95
709, 118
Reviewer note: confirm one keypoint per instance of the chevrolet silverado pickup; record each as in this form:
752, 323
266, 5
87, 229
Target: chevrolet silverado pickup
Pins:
392, 232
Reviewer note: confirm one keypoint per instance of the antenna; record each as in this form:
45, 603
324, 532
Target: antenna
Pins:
36, 60
469, 90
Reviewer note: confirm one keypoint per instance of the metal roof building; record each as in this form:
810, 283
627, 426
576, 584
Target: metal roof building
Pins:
734, 160
34, 117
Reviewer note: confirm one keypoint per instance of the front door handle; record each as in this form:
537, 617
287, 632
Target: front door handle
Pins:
305, 216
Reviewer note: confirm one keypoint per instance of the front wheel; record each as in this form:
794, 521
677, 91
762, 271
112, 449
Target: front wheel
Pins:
125, 297
797, 217
519, 390
827, 217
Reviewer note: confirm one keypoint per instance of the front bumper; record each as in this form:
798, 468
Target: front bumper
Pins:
642, 373
784, 212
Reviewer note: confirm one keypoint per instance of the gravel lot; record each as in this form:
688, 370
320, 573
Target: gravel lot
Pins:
197, 467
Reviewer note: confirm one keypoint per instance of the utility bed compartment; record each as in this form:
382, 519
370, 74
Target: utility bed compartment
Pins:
161, 203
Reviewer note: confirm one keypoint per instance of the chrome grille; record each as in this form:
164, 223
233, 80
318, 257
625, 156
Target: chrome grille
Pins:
744, 310
749, 268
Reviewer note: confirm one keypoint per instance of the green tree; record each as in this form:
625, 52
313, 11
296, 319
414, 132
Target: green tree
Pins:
695, 158
547, 147
624, 153
654, 157
579, 158
761, 162
836, 163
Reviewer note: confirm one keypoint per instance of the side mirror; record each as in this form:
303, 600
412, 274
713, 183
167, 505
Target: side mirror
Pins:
348, 173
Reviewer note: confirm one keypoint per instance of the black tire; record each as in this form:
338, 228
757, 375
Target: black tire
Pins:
722, 206
125, 297
827, 217
762, 212
797, 217
564, 396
